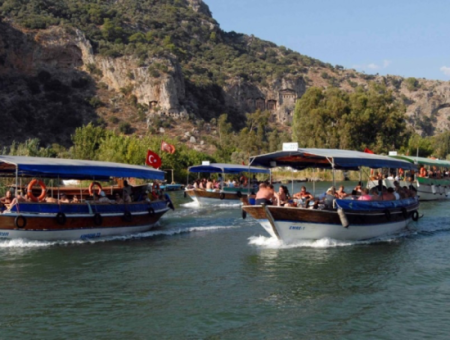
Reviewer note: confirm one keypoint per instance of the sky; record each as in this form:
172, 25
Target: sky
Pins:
408, 38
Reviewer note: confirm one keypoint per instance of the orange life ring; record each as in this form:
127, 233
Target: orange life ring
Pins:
423, 172
91, 187
30, 190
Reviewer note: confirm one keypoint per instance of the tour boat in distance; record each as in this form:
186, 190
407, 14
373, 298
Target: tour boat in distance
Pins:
432, 181
228, 195
38, 218
340, 219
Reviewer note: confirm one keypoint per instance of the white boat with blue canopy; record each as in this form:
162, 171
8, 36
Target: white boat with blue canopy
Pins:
340, 219
45, 218
432, 181
225, 194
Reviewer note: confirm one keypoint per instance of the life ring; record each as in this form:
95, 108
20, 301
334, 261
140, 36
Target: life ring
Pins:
222, 195
91, 188
387, 213
239, 194
127, 216
151, 211
415, 216
20, 221
98, 219
61, 218
30, 190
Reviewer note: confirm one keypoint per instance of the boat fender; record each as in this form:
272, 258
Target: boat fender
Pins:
127, 216
244, 214
334, 204
404, 212
343, 218
151, 211
98, 219
30, 190
20, 221
185, 194
415, 216
91, 188
387, 213
433, 189
239, 194
61, 218
222, 195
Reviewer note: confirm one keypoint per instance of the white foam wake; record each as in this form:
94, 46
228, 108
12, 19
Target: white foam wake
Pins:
23, 243
274, 243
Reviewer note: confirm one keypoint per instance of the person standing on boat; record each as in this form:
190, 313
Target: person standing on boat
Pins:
264, 195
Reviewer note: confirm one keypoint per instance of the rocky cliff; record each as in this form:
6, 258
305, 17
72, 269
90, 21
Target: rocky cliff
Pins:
54, 79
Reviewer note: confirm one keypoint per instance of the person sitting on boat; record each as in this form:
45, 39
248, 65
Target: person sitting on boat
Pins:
75, 199
357, 189
18, 199
304, 195
398, 191
282, 196
230, 184
329, 198
7, 199
374, 193
118, 199
264, 195
365, 195
341, 194
209, 185
63, 198
388, 194
103, 198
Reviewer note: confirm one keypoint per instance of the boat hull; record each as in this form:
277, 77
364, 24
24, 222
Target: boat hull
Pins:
296, 224
203, 197
79, 221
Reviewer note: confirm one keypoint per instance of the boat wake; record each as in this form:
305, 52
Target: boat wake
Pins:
274, 243
23, 243
220, 205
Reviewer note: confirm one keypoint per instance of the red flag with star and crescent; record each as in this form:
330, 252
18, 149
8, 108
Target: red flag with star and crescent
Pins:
153, 160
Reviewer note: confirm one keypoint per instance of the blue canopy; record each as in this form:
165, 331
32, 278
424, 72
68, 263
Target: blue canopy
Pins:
227, 168
327, 159
72, 168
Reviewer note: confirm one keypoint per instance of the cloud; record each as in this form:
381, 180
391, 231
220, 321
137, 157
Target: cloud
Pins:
373, 66
445, 70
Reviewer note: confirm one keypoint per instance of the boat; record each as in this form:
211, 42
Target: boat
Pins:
37, 219
344, 219
171, 186
429, 188
224, 195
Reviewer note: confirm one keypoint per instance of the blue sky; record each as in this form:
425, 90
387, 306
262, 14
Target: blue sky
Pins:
397, 37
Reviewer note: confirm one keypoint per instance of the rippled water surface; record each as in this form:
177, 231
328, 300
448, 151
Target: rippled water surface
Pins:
207, 273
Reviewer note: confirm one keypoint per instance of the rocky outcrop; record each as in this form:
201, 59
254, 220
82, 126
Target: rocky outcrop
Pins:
200, 7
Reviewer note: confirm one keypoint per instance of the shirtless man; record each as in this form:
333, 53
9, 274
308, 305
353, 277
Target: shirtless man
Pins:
341, 193
264, 195
209, 185
303, 194
63, 199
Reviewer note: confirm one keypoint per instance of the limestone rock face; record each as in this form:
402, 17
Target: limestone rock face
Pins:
200, 7
279, 98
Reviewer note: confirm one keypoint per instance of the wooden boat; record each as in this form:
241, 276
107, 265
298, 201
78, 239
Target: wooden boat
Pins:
346, 219
225, 195
429, 188
39, 220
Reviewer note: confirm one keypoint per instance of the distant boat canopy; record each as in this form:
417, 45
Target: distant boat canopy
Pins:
328, 159
227, 168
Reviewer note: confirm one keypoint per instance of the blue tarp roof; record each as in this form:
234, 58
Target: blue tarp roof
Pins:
227, 168
322, 158
73, 169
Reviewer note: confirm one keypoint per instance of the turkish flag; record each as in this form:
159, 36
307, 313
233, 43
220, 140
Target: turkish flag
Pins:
153, 160
366, 150
167, 147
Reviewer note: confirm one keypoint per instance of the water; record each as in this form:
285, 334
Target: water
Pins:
207, 274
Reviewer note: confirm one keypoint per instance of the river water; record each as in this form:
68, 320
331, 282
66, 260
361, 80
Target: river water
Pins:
206, 273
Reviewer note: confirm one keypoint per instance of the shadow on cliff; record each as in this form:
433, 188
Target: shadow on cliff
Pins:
41, 98
210, 103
